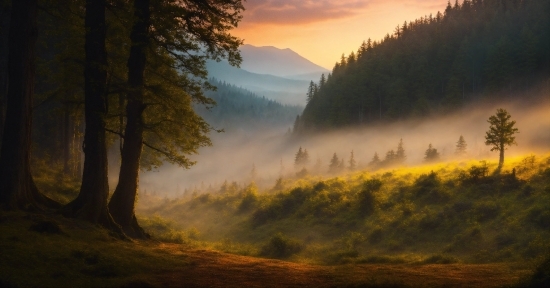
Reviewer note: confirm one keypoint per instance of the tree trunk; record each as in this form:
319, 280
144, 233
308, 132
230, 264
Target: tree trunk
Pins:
501, 158
66, 142
91, 202
4, 28
17, 188
123, 200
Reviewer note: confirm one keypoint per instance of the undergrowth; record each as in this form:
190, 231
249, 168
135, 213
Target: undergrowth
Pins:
436, 213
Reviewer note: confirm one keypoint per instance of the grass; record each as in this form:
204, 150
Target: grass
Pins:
434, 225
459, 209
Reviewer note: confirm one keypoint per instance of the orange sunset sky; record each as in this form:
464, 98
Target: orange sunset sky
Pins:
321, 30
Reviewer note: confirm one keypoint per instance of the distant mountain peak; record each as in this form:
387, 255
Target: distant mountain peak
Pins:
282, 62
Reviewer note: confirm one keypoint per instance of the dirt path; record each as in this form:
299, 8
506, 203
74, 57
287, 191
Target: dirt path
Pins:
215, 269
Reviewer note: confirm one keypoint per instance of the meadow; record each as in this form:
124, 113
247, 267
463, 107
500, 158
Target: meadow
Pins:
452, 224
452, 212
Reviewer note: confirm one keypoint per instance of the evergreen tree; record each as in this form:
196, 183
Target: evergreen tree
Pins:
17, 187
310, 91
301, 158
352, 163
476, 47
375, 162
501, 133
461, 146
400, 154
334, 163
431, 154
91, 202
390, 158
322, 81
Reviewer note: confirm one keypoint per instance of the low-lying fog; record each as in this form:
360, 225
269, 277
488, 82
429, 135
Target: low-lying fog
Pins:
272, 151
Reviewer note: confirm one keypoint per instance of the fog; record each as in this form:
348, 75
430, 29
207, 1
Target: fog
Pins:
235, 152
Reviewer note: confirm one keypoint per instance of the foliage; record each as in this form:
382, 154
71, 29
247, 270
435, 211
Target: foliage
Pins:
437, 213
281, 247
461, 146
436, 64
501, 132
431, 154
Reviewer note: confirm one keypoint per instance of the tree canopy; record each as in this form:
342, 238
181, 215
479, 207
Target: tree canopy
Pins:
435, 64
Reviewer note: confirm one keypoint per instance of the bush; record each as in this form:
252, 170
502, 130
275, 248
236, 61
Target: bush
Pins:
250, 198
366, 199
486, 210
540, 217
281, 247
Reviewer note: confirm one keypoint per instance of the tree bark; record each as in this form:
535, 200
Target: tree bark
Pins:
91, 202
501, 158
4, 28
17, 188
122, 204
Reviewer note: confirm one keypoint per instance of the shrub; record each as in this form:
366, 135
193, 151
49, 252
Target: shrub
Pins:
540, 217
486, 210
366, 199
281, 247
250, 198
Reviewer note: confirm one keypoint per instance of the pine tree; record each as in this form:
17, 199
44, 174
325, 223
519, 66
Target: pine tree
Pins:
431, 154
375, 160
390, 158
461, 146
310, 91
501, 133
352, 163
298, 157
322, 81
334, 163
17, 187
400, 154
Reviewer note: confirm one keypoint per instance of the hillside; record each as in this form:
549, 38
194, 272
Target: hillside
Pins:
453, 212
282, 90
438, 225
238, 108
437, 63
36, 257
278, 62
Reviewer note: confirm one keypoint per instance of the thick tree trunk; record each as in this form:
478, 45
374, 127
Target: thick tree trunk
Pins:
123, 200
91, 202
17, 188
67, 140
4, 29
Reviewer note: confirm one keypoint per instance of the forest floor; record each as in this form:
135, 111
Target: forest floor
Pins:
50, 251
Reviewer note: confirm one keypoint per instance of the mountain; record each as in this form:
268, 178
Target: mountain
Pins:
283, 90
482, 49
278, 74
278, 62
240, 109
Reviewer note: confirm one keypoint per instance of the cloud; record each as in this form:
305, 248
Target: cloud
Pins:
301, 11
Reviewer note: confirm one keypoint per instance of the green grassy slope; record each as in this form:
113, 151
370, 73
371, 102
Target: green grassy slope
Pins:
441, 213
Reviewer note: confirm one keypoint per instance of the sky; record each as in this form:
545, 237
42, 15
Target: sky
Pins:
323, 30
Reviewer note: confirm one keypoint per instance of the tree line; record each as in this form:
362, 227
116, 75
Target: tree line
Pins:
499, 137
239, 108
98, 70
435, 64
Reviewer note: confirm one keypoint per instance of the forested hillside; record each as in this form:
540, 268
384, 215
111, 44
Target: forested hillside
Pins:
239, 108
436, 63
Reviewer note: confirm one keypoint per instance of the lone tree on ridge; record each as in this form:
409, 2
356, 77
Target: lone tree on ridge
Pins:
501, 133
